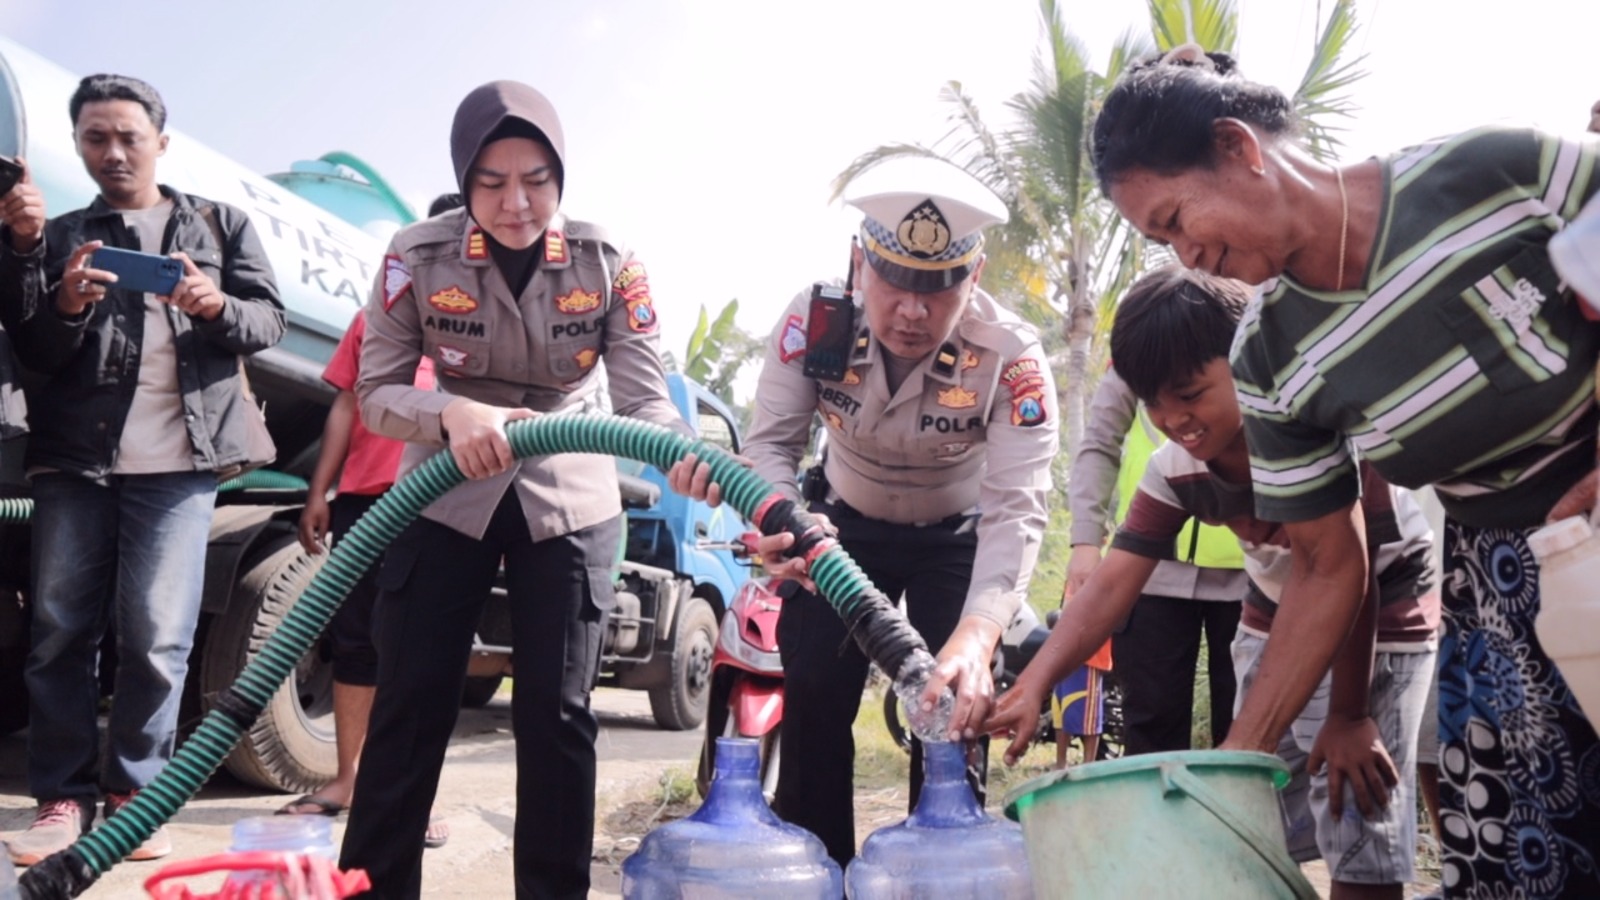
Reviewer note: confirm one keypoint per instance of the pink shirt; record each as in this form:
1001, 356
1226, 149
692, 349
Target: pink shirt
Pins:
371, 463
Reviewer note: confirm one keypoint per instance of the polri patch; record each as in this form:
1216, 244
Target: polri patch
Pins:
851, 376
453, 300
555, 247
1025, 379
396, 280
454, 357
969, 360
958, 398
586, 357
477, 249
634, 286
578, 302
792, 342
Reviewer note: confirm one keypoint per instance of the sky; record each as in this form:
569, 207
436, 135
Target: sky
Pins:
704, 134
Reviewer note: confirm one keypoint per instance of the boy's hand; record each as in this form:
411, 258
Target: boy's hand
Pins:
1354, 754
314, 520
1016, 715
1081, 564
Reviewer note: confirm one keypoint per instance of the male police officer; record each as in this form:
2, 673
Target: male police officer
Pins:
940, 416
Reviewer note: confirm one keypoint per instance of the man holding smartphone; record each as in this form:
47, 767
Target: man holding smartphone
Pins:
22, 215
940, 416
140, 409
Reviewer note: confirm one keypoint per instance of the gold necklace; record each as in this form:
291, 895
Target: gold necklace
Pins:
1344, 226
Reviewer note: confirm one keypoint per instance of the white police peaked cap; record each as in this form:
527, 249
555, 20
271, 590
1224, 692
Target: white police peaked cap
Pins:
924, 223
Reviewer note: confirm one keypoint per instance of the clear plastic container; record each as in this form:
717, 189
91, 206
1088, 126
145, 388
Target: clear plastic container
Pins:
280, 834
949, 847
1568, 624
733, 847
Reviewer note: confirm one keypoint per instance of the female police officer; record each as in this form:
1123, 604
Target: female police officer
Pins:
515, 305
940, 418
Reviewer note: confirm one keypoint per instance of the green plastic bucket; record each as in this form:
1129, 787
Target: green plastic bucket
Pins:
1194, 823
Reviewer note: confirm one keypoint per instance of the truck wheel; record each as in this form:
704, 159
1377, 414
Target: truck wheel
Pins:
291, 746
477, 692
680, 704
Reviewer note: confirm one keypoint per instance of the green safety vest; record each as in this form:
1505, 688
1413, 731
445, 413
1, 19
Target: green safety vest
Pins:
1213, 546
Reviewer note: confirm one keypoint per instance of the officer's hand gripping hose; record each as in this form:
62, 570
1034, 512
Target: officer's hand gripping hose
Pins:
879, 628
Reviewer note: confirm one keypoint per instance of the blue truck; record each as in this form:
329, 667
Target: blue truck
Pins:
324, 224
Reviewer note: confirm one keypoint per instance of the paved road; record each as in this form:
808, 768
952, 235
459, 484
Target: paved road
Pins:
476, 796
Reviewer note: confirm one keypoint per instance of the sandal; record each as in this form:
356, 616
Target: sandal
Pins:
437, 834
324, 807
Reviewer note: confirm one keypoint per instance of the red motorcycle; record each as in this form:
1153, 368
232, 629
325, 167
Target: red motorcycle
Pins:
747, 676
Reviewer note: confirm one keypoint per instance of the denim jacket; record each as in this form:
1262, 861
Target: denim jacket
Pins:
89, 364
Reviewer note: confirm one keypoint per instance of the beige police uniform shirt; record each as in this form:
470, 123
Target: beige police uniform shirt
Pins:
441, 295
973, 426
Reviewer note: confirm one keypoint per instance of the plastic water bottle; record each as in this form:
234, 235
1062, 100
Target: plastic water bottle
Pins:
949, 848
1568, 624
929, 725
280, 834
733, 847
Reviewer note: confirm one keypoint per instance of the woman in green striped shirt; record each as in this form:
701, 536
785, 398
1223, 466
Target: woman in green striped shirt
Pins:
1408, 314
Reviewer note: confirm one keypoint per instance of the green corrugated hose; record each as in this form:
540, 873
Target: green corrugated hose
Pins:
876, 624
20, 509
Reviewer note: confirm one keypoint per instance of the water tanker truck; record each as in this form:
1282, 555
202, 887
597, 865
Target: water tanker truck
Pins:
324, 224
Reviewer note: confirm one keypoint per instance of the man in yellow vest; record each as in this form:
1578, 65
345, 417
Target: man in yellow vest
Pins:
1199, 592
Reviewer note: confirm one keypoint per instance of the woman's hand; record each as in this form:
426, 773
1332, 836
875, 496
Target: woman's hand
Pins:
1354, 753
1016, 715
692, 478
477, 433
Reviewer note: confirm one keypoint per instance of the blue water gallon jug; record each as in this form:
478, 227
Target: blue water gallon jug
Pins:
733, 847
948, 848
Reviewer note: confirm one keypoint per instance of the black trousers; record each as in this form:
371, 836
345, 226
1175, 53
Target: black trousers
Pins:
434, 581
1155, 653
824, 671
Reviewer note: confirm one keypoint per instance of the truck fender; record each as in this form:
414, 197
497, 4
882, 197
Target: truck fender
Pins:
235, 529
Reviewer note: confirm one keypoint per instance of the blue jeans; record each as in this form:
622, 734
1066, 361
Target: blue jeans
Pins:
135, 549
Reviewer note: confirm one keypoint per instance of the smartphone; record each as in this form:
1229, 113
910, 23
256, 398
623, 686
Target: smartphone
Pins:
830, 333
10, 174
144, 272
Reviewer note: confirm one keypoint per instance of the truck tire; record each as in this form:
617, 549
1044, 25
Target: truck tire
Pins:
478, 691
680, 704
291, 745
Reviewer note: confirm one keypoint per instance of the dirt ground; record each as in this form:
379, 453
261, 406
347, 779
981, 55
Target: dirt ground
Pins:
645, 779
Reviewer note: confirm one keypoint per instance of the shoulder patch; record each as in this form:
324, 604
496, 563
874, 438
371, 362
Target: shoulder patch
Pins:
1026, 381
792, 342
396, 280
634, 287
477, 248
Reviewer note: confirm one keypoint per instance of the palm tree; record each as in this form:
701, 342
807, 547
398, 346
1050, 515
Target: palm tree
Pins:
1065, 255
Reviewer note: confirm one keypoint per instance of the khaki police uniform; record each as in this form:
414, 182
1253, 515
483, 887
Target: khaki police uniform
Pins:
554, 520
973, 428
441, 295
937, 488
